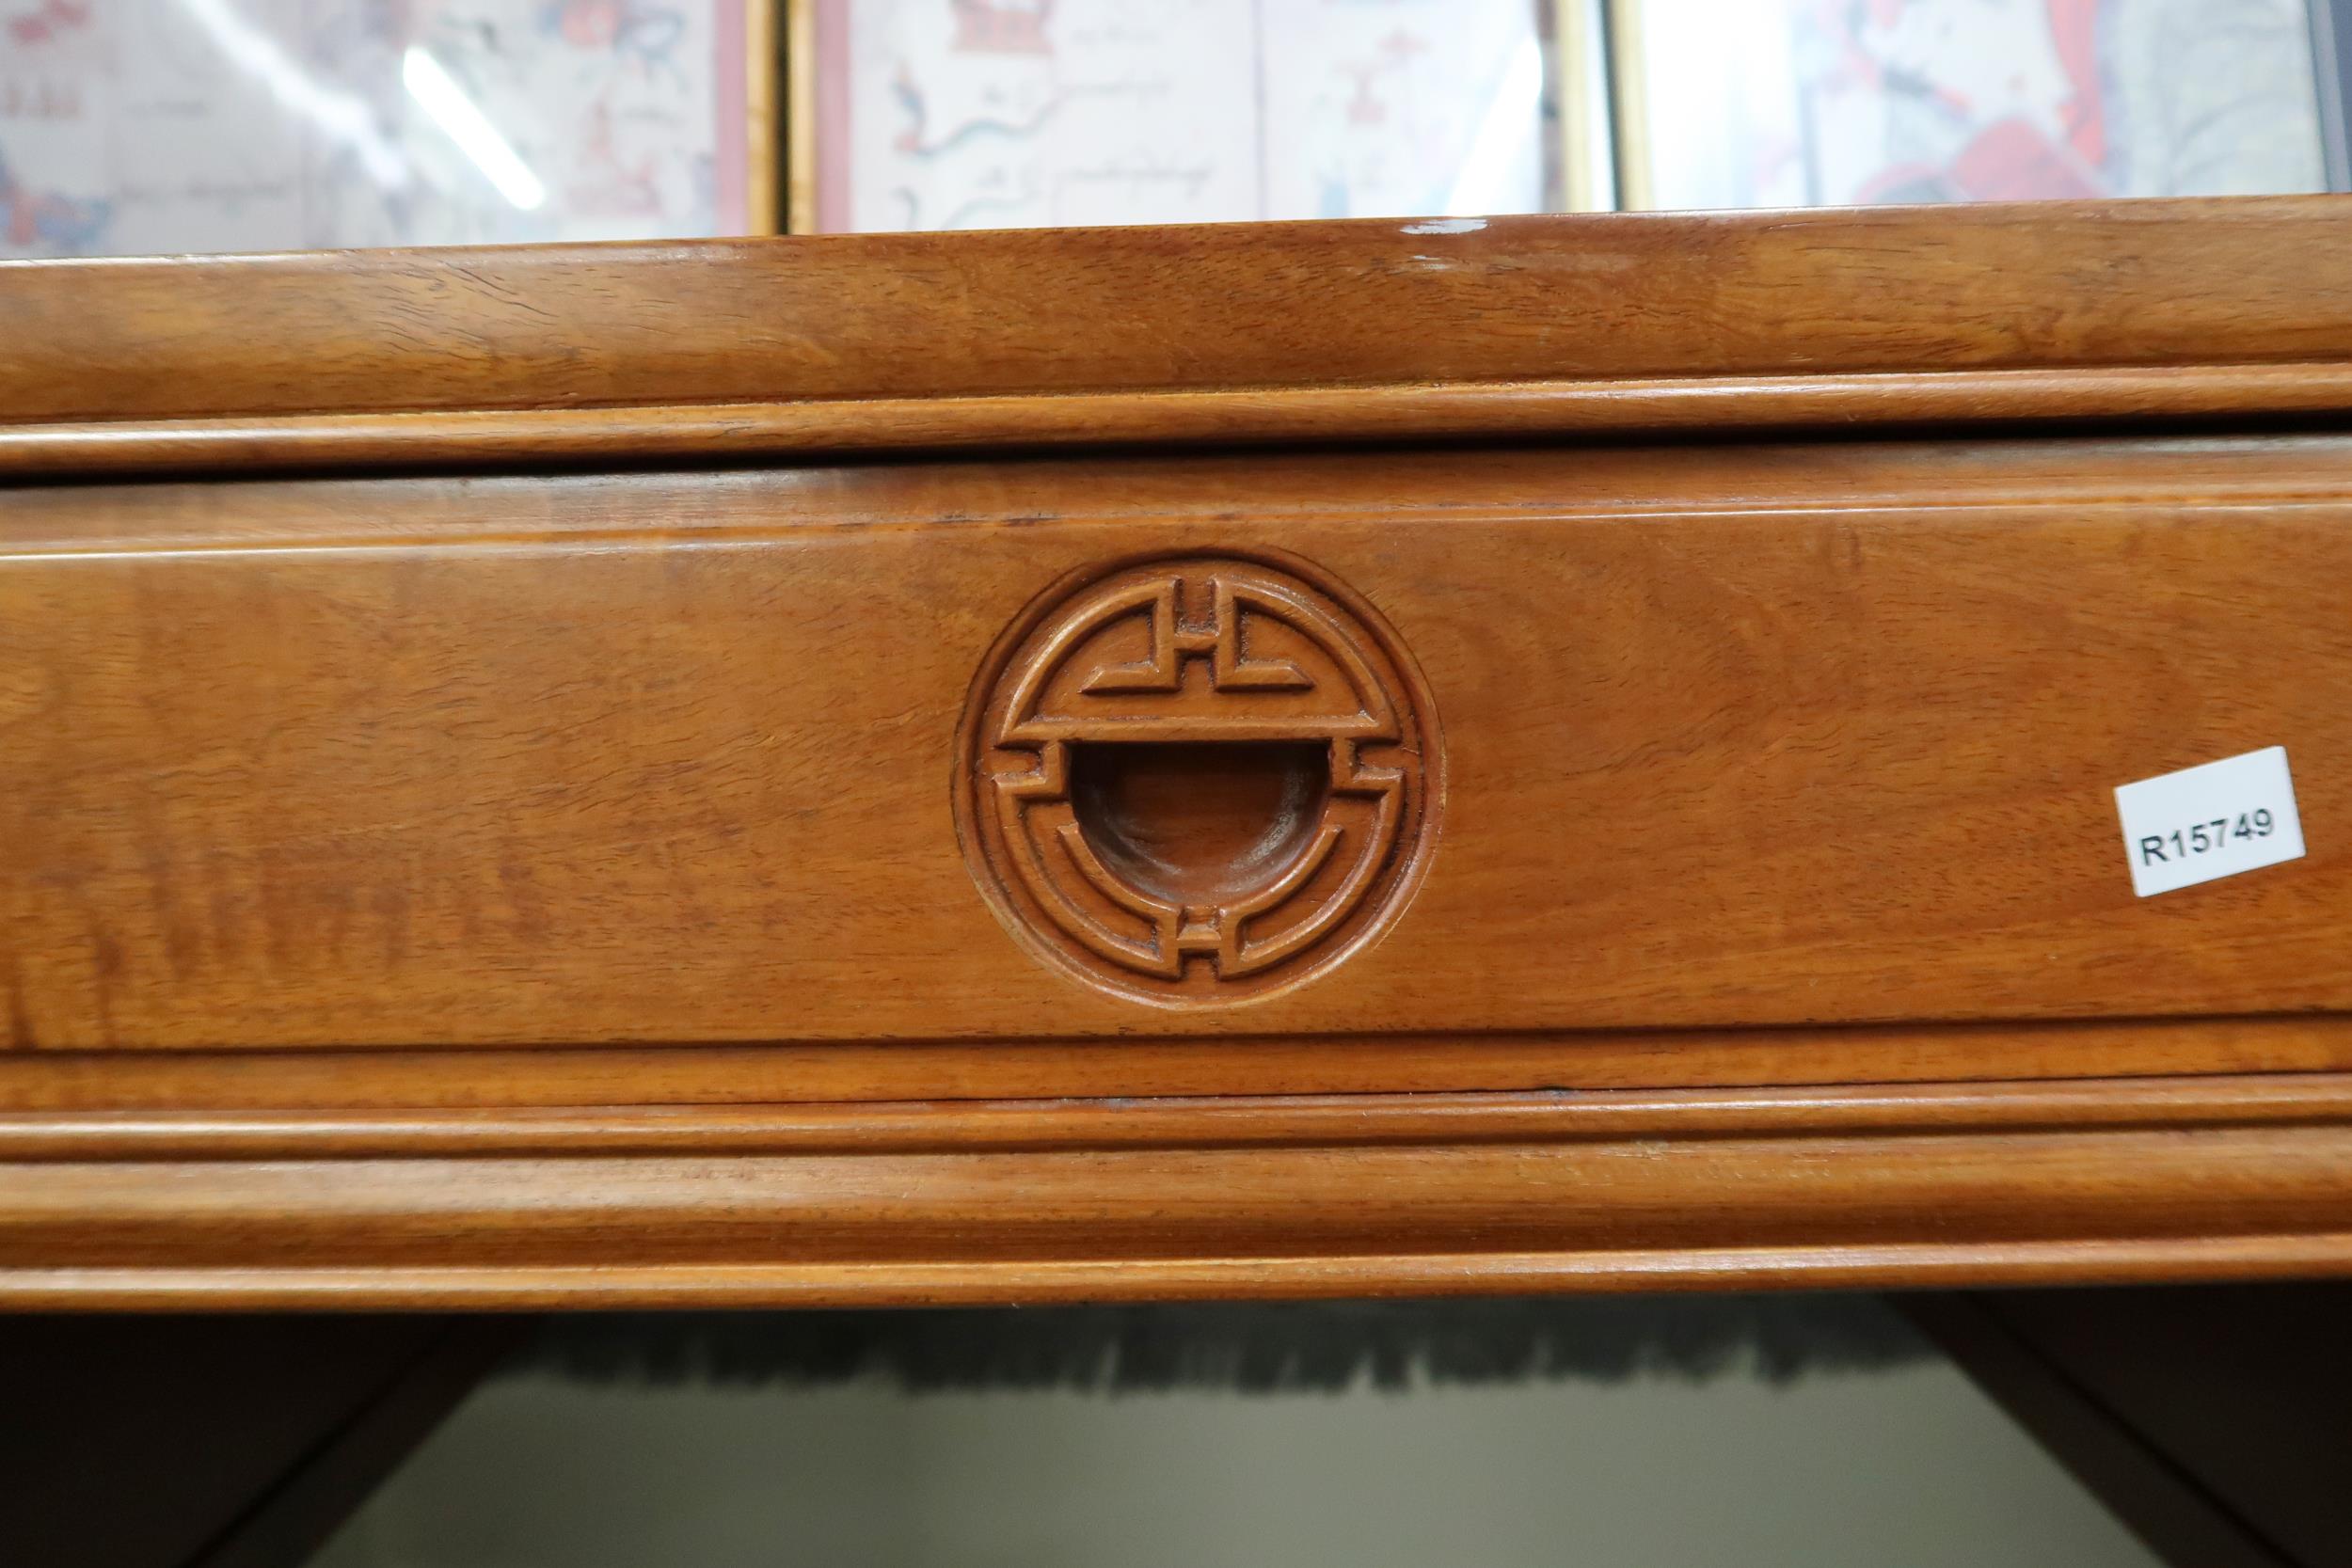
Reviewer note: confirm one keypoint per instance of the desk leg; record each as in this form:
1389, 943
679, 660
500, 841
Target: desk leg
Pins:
2216, 1421
215, 1442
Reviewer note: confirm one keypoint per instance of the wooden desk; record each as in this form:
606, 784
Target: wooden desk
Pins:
780, 772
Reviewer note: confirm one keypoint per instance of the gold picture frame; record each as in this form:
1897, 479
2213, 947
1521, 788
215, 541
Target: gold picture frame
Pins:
763, 91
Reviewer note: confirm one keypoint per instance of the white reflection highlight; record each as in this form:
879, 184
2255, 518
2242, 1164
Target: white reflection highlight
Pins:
1484, 183
470, 129
339, 116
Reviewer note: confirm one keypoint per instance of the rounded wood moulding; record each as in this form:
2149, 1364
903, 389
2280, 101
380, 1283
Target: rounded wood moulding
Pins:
1198, 780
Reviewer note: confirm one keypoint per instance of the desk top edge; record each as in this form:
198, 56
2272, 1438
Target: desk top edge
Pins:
1367, 329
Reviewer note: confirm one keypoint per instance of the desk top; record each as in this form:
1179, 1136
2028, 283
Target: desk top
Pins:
1513, 327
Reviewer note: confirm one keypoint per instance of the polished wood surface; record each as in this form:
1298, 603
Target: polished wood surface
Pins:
565, 882
1363, 331
666, 758
859, 1072
1072, 1200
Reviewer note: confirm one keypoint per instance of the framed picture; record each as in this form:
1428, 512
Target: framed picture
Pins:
959, 114
134, 126
1836, 102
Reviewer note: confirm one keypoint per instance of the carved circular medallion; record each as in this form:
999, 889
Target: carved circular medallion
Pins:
1198, 779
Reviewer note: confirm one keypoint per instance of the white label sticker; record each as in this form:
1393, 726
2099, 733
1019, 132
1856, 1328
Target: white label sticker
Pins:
2227, 817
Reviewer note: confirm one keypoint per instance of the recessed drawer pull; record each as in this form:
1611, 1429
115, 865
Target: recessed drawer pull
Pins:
1198, 779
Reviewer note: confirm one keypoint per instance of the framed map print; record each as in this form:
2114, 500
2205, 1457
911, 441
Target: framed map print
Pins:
1836, 102
134, 127
961, 113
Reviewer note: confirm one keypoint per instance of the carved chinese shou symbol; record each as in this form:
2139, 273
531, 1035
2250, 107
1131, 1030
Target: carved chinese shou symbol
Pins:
1199, 779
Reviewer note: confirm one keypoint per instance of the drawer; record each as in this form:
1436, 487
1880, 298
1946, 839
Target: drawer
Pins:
1689, 741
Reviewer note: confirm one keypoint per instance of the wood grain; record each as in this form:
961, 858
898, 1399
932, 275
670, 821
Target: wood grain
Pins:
700, 1075
1228, 1122
1518, 326
2228, 396
535, 879
1065, 1200
1776, 736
